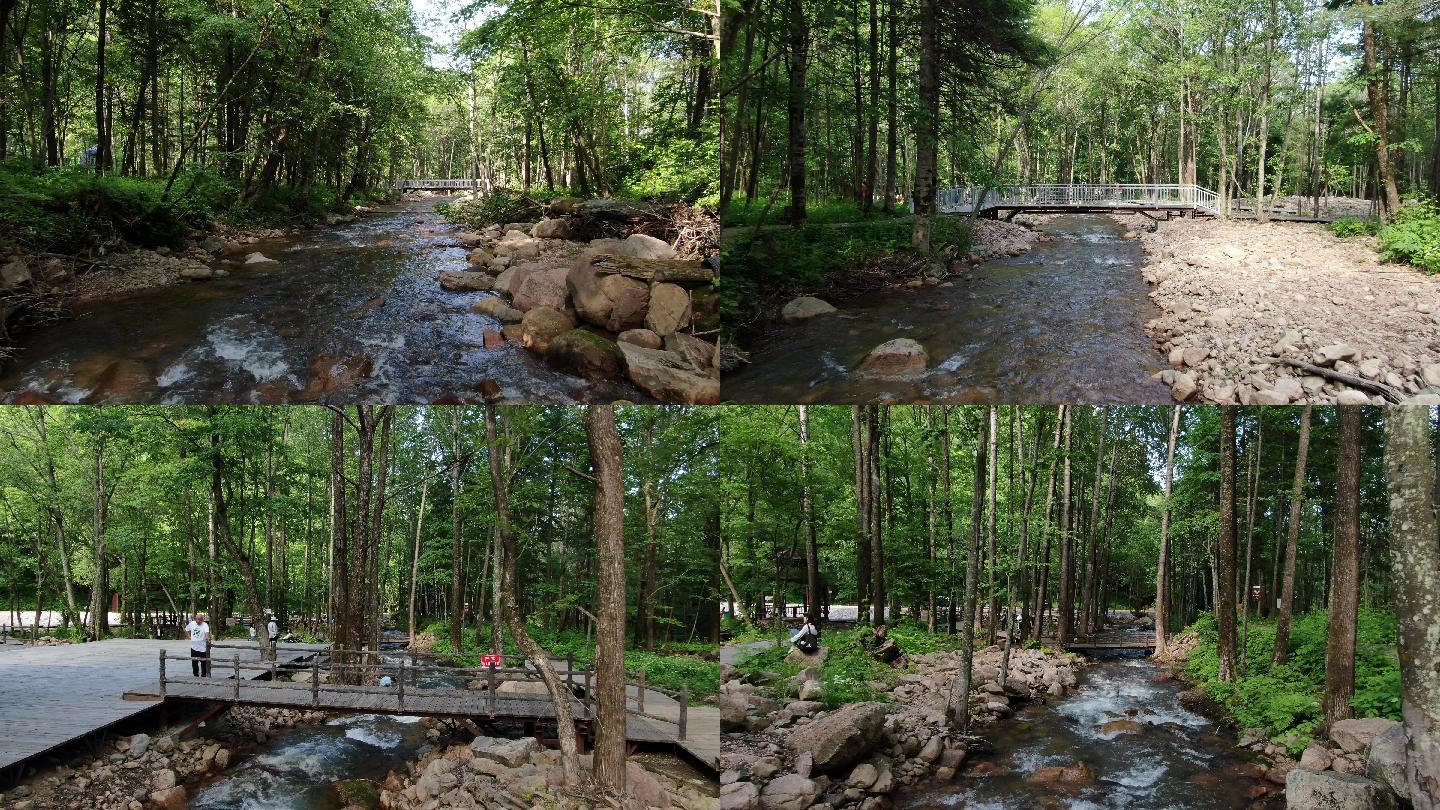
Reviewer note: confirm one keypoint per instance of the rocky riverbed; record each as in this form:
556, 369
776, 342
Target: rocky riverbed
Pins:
1240, 299
782, 750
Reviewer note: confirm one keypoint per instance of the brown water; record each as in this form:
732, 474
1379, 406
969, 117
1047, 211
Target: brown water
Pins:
1062, 323
1178, 760
253, 336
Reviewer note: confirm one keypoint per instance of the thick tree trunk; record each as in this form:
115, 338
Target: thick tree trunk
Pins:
457, 538
1379, 118
812, 550
799, 44
414, 559
993, 603
1344, 573
606, 458
927, 129
1292, 541
959, 700
1415, 554
1064, 620
1225, 585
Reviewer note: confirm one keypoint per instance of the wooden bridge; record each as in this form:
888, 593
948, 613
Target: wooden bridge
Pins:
434, 184
1153, 200
1115, 638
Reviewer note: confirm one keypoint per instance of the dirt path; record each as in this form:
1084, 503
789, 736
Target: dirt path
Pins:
1237, 298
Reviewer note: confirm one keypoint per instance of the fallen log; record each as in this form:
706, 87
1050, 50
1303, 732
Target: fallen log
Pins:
675, 271
1388, 392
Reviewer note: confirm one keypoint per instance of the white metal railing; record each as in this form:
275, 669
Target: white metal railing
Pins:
963, 200
463, 182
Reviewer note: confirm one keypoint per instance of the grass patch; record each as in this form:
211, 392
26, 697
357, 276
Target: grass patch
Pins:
824, 213
669, 667
1285, 700
1354, 226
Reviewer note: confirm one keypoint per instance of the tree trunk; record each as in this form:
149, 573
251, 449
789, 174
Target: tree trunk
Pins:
1162, 574
799, 43
1225, 586
1415, 554
1344, 573
606, 458
812, 550
415, 559
1375, 92
927, 130
959, 700
1292, 540
1065, 617
457, 615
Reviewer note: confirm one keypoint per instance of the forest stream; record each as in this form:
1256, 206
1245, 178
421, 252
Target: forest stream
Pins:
1062, 323
1175, 759
269, 333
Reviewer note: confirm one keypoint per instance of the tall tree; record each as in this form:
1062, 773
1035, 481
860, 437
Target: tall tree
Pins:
1344, 573
1225, 593
606, 458
1292, 541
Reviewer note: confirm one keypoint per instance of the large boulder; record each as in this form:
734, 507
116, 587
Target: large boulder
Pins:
550, 229
669, 309
14, 273
643, 338
645, 247
169, 799
612, 302
669, 377
1386, 760
1329, 790
496, 308
541, 288
541, 325
840, 737
699, 353
804, 308
512, 753
732, 712
587, 354
790, 792
465, 280
739, 796
1354, 735
895, 358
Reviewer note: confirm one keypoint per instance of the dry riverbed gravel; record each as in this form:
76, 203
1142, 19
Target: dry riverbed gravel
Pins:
1239, 298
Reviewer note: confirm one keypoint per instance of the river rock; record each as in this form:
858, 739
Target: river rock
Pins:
586, 354
222, 759
1063, 777
1328, 790
732, 713
612, 302
511, 753
479, 257
1183, 388
668, 377
164, 779
739, 796
1350, 396
643, 338
863, 776
1386, 760
259, 258
1315, 758
698, 353
469, 240
641, 246
172, 798
1328, 355
540, 325
1121, 727
465, 280
789, 792
1354, 735
139, 744
669, 309
550, 229
505, 279
541, 288
496, 308
810, 690
804, 308
14, 273
842, 736
895, 358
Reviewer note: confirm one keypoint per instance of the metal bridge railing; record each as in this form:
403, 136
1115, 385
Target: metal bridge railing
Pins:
1077, 195
463, 182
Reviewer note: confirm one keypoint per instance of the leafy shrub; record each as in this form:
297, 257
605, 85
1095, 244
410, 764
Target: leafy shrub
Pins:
680, 169
1414, 237
496, 208
742, 213
1353, 226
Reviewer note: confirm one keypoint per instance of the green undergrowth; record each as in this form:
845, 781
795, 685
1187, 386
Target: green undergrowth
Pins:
764, 269
672, 664
1354, 226
1414, 237
71, 209
824, 213
1285, 700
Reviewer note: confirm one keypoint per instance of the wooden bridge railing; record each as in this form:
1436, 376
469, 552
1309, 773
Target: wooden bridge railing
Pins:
1077, 195
407, 670
459, 182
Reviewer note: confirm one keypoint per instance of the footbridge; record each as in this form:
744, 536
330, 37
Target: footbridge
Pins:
1153, 200
410, 683
437, 184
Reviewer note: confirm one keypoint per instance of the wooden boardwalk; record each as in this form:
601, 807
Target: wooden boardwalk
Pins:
56, 695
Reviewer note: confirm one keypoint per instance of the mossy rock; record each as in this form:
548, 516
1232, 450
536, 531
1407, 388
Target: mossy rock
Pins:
585, 353
362, 792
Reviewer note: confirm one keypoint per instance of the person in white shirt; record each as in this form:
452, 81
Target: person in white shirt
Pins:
807, 638
272, 627
199, 632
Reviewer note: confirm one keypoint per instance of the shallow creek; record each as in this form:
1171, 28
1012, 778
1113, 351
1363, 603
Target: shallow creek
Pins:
1062, 323
1176, 760
366, 289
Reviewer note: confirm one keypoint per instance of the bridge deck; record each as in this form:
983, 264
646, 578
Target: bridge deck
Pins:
56, 695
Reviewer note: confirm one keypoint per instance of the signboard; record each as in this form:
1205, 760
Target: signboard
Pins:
1257, 592
490, 660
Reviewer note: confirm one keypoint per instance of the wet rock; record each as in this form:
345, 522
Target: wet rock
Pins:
669, 309
739, 796
497, 309
586, 354
789, 792
842, 736
506, 278
669, 377
540, 325
333, 373
641, 246
804, 308
895, 358
643, 338
541, 288
469, 240
169, 799
1067, 777
259, 258
479, 257
550, 229
1328, 790
465, 280
1386, 760
1121, 727
222, 759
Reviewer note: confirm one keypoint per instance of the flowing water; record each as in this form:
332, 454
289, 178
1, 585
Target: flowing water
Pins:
1177, 760
1062, 323
367, 289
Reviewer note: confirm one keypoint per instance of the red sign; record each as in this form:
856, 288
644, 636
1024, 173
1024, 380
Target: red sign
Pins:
490, 660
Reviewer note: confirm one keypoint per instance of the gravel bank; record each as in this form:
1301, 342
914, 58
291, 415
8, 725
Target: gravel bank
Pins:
1238, 299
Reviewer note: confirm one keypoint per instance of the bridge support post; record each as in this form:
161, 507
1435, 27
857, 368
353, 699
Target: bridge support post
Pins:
570, 672
414, 677
400, 679
162, 673
640, 693
315, 680
236, 665
491, 690
588, 693
684, 708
